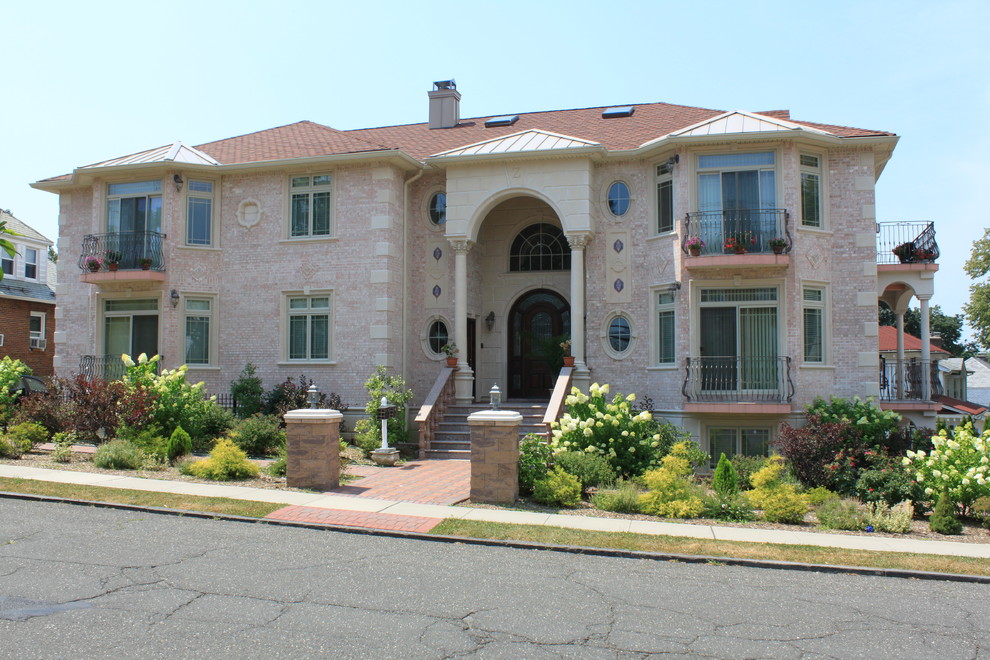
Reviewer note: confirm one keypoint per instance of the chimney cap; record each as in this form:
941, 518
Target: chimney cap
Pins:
445, 84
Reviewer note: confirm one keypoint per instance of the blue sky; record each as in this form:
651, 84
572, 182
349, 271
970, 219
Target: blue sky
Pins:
83, 82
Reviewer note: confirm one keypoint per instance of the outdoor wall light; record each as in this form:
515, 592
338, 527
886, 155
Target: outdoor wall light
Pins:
490, 321
177, 179
174, 297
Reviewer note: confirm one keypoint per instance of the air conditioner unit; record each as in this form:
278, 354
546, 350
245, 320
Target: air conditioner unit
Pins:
38, 342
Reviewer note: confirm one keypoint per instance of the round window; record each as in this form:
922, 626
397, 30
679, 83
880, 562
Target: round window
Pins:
438, 336
438, 209
618, 198
619, 334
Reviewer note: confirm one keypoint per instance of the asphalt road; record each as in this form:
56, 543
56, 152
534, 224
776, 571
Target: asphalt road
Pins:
84, 582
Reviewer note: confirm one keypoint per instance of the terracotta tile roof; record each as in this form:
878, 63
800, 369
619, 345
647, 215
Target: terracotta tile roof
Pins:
888, 342
967, 407
299, 140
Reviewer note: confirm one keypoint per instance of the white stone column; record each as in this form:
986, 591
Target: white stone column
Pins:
464, 378
926, 352
582, 375
899, 367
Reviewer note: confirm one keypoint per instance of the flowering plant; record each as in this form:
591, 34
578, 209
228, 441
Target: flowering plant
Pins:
566, 346
959, 463
631, 442
739, 242
94, 263
777, 242
694, 242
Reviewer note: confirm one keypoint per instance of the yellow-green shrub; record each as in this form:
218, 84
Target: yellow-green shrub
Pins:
781, 502
226, 462
672, 494
558, 489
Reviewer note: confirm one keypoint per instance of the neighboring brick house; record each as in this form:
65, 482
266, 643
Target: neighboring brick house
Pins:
27, 299
307, 249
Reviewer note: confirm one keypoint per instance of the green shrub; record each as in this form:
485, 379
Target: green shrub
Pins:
837, 513
392, 387
28, 434
259, 435
591, 470
9, 448
780, 501
746, 467
247, 392
884, 518
148, 439
943, 519
819, 495
622, 499
118, 455
535, 457
179, 444
209, 423
731, 507
888, 482
277, 467
558, 489
671, 491
981, 510
725, 482
11, 371
63, 446
51, 408
226, 462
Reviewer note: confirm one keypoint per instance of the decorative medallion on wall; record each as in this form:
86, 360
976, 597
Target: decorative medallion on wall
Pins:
817, 260
618, 261
308, 270
437, 291
437, 275
249, 213
437, 253
201, 275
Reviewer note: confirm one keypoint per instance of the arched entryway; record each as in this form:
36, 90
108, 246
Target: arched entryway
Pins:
538, 321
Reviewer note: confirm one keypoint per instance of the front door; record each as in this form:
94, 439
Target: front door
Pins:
538, 322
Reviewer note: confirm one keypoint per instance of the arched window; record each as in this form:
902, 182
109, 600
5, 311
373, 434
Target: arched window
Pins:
540, 247
438, 209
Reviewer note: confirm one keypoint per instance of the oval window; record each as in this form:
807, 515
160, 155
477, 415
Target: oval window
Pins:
438, 209
618, 198
619, 334
438, 336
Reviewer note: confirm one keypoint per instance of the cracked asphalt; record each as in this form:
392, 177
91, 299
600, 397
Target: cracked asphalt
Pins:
85, 582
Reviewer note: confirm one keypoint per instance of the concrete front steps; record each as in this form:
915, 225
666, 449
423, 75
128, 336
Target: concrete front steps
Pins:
453, 437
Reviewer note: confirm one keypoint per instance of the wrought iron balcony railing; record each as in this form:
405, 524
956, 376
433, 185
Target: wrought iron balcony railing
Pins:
126, 250
738, 380
906, 243
903, 380
107, 367
757, 231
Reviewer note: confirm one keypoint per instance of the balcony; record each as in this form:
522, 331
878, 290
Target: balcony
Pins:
123, 256
902, 385
107, 367
738, 384
754, 237
909, 244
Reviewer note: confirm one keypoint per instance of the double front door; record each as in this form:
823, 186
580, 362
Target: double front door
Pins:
538, 323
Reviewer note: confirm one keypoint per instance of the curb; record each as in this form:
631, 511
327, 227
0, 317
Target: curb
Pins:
528, 545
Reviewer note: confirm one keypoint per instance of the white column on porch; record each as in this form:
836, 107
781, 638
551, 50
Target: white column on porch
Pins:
577, 243
899, 367
464, 378
926, 351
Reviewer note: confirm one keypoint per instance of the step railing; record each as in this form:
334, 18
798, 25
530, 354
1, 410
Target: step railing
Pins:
556, 405
434, 407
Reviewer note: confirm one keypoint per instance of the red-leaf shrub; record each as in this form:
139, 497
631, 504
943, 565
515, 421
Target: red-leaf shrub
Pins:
810, 448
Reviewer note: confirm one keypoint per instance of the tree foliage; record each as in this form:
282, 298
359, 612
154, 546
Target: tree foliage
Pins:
5, 244
978, 308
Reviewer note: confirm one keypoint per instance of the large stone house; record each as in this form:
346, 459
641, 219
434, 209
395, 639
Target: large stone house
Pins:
307, 249
27, 298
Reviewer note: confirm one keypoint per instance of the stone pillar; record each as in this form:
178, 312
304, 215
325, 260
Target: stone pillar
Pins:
494, 455
312, 449
582, 375
464, 378
926, 352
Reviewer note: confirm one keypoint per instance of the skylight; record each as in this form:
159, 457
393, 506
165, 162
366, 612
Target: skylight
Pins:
624, 111
507, 120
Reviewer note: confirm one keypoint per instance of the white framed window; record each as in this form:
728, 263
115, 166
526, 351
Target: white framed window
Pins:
130, 325
811, 191
199, 346
134, 207
617, 335
309, 324
665, 197
199, 213
311, 206
814, 324
36, 330
437, 209
748, 441
618, 198
6, 263
666, 326
30, 264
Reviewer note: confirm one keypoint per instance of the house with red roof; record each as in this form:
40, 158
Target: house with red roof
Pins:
726, 265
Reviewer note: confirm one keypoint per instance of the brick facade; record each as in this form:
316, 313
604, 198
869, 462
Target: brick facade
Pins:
15, 316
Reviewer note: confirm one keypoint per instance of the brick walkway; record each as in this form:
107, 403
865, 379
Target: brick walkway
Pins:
317, 515
443, 482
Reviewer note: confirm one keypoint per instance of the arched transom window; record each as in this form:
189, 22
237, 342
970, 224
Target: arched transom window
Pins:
540, 247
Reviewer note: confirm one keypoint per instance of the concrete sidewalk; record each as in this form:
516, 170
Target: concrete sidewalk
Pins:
383, 514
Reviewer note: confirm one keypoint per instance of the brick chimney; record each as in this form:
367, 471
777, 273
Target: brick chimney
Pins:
445, 104
936, 340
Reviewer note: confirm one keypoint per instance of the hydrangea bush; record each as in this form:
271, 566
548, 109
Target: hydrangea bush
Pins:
631, 441
11, 371
958, 464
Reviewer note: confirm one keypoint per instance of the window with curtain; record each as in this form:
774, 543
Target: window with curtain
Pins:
198, 322
814, 325
732, 441
134, 207
739, 191
311, 206
199, 213
309, 327
665, 198
30, 264
665, 327
811, 191
739, 339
